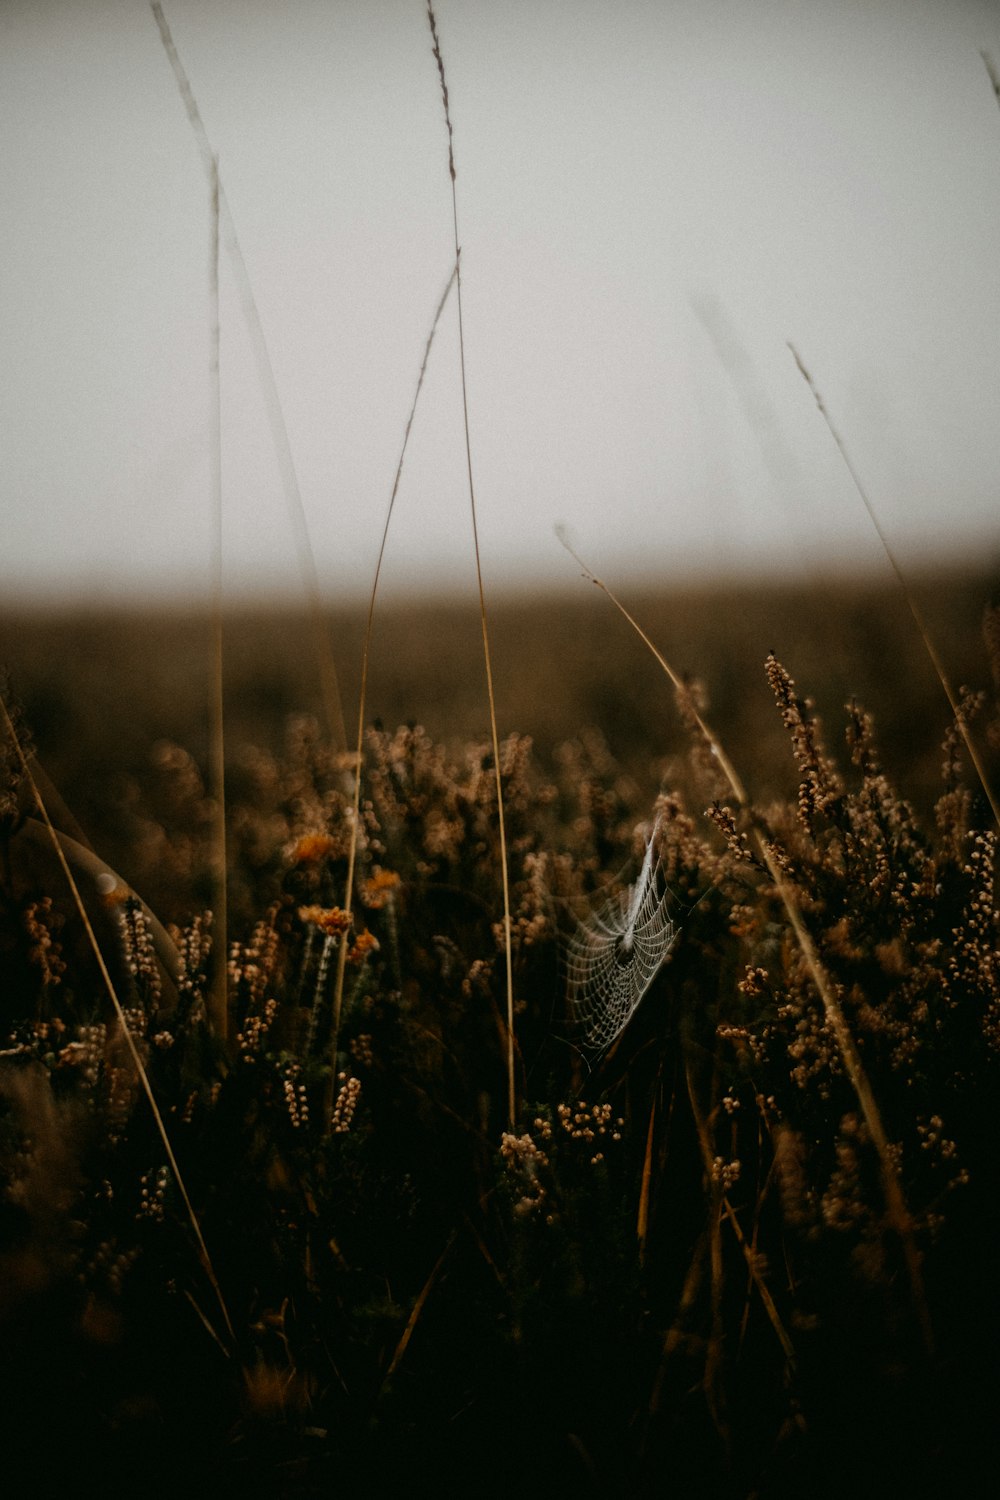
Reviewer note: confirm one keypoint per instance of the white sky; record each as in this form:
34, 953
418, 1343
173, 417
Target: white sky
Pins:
654, 196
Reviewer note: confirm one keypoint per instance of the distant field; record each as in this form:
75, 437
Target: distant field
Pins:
100, 688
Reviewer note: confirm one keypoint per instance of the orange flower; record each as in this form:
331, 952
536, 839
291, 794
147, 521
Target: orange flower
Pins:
378, 885
329, 919
363, 944
311, 848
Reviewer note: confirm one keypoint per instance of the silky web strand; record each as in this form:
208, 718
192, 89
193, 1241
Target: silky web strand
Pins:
615, 954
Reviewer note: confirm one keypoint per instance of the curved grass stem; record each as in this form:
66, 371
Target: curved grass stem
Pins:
897, 1211
141, 1074
338, 992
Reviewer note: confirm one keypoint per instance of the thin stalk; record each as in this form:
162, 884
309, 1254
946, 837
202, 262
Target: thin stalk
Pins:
329, 686
707, 1156
711, 1383
418, 1308
763, 1291
338, 994
220, 991
141, 1074
992, 71
936, 662
642, 1216
511, 1097
896, 1208
676, 1335
719, 754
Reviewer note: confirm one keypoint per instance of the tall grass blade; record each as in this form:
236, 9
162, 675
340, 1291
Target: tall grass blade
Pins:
338, 996
938, 665
417, 1309
710, 738
220, 980
141, 1074
329, 686
991, 69
646, 1181
511, 1099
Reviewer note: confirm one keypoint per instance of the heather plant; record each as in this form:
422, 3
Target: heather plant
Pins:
700, 1208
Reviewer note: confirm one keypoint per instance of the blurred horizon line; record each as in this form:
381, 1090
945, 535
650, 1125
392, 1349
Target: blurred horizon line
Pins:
851, 567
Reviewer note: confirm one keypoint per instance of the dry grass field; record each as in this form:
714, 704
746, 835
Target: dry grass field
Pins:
317, 1217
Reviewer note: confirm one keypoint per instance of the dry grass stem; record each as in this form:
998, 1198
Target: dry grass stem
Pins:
961, 719
220, 862
714, 746
417, 1309
993, 74
122, 1019
642, 1217
342, 952
508, 952
329, 685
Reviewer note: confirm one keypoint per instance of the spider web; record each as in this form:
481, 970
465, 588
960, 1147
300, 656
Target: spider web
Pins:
614, 955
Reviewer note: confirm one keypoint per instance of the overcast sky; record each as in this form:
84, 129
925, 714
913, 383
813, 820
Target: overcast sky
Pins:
654, 197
